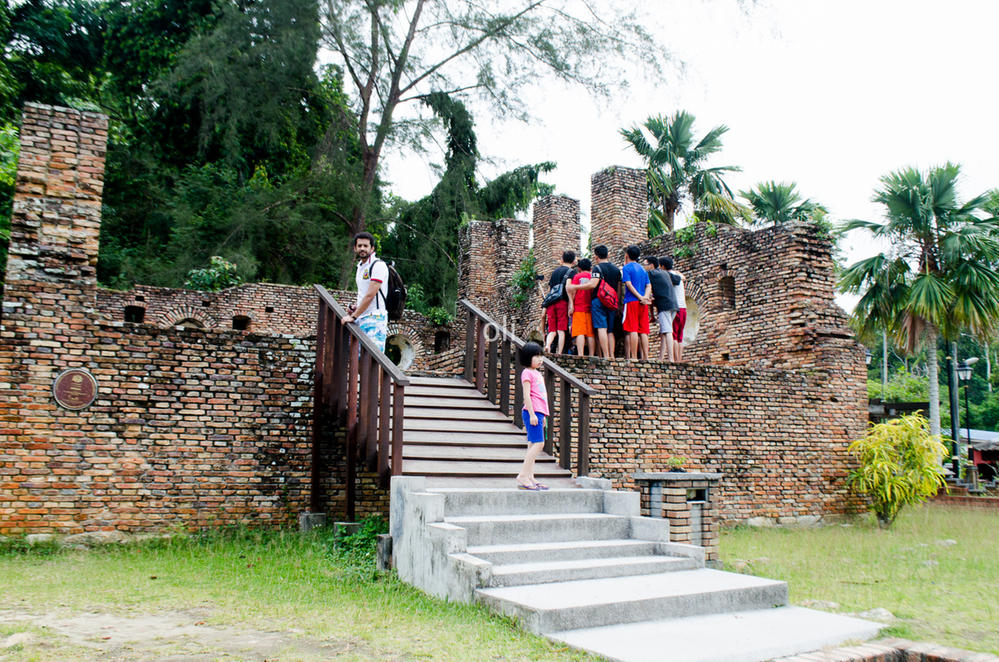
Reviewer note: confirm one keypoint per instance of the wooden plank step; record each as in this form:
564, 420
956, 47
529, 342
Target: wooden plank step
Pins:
444, 391
437, 452
424, 381
432, 413
445, 425
447, 402
459, 468
516, 437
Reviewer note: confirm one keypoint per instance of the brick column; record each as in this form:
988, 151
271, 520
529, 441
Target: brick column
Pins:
689, 501
556, 230
619, 208
56, 218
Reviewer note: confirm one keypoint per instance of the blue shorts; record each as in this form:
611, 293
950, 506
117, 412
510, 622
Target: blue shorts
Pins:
602, 318
535, 433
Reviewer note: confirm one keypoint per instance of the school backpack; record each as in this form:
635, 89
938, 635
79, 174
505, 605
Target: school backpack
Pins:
395, 300
607, 294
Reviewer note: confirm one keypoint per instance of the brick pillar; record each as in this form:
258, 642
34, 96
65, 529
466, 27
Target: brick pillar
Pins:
56, 220
556, 230
619, 208
476, 260
689, 500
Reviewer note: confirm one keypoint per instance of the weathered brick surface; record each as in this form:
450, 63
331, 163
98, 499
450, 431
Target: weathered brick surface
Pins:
779, 437
619, 209
556, 230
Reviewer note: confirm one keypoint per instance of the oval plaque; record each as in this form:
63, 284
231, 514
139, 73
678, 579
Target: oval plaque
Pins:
75, 388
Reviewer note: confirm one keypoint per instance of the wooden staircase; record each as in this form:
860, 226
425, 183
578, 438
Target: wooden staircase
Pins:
453, 433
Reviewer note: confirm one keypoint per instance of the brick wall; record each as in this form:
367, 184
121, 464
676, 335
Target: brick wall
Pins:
556, 230
778, 437
619, 209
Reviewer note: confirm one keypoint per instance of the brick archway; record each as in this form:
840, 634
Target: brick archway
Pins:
176, 315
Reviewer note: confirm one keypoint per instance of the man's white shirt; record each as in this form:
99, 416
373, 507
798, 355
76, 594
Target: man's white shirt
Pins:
368, 271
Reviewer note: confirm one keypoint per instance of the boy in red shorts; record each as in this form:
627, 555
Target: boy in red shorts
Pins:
637, 297
558, 313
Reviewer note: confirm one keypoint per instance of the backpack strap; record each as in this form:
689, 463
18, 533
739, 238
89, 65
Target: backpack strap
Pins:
379, 292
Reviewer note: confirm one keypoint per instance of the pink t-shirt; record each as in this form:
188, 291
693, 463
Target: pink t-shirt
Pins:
539, 394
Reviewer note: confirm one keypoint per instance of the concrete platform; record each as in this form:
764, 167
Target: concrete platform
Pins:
746, 636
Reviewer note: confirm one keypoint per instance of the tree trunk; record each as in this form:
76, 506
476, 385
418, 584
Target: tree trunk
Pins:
934, 385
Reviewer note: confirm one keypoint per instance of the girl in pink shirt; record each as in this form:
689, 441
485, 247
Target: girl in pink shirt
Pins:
535, 412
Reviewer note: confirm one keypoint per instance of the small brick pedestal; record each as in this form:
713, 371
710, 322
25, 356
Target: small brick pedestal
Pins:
687, 500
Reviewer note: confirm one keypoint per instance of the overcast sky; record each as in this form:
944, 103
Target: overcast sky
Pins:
830, 94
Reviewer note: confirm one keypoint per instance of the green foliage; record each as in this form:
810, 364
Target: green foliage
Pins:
675, 462
439, 316
780, 203
219, 275
899, 465
676, 171
902, 387
524, 282
9, 150
359, 548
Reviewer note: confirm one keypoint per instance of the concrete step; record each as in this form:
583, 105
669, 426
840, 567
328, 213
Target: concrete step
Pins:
444, 391
496, 529
452, 452
494, 482
545, 572
742, 636
440, 381
572, 605
521, 502
475, 468
564, 551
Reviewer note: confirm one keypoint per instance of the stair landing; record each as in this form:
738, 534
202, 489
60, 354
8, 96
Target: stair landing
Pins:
455, 436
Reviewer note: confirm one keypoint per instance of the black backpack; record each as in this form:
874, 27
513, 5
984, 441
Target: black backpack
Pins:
557, 292
395, 301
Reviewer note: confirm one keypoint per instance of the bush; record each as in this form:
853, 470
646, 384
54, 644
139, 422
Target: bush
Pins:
900, 464
902, 387
219, 275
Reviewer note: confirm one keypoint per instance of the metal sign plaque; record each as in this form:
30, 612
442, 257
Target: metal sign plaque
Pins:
75, 389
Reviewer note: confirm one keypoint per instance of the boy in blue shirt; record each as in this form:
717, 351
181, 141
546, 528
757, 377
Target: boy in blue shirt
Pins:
637, 297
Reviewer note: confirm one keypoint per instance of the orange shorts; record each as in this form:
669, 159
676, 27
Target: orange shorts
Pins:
582, 324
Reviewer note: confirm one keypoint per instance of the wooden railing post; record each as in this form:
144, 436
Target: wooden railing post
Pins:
351, 450
565, 422
583, 453
549, 424
397, 415
480, 355
504, 376
518, 401
319, 417
364, 395
384, 421
471, 328
492, 364
374, 375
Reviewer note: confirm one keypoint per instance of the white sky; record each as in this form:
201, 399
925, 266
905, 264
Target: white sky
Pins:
830, 94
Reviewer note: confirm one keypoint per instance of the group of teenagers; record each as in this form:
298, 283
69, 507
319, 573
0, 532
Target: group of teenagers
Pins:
640, 285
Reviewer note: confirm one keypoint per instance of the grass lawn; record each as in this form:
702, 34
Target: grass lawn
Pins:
267, 582
936, 570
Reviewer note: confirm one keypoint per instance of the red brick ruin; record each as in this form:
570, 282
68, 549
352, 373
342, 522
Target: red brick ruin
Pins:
203, 410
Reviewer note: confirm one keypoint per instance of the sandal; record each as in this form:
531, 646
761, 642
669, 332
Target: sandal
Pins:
540, 486
533, 488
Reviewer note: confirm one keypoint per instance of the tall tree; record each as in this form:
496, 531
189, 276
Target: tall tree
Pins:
938, 278
676, 171
780, 203
424, 236
398, 51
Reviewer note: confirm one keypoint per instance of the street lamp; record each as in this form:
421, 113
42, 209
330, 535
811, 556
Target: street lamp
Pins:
867, 356
964, 370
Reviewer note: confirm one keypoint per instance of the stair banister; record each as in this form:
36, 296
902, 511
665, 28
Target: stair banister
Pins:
355, 385
488, 349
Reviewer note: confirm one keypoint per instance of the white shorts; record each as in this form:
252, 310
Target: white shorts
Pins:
665, 319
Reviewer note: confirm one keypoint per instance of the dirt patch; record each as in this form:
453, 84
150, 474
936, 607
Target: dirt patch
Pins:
169, 635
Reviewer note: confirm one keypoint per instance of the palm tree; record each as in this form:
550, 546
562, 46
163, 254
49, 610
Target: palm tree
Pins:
780, 203
676, 170
939, 277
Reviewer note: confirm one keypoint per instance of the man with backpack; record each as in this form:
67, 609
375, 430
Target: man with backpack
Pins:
603, 317
557, 313
371, 310
665, 299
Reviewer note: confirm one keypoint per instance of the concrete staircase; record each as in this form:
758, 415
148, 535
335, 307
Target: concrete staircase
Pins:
581, 566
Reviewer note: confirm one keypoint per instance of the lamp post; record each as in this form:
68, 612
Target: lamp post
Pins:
964, 370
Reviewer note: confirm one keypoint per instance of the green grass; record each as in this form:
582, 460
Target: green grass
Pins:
940, 592
272, 581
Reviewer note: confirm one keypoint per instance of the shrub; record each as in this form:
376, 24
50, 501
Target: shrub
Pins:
899, 465
219, 275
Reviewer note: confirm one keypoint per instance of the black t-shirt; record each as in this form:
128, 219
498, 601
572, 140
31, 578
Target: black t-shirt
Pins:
609, 273
662, 290
558, 276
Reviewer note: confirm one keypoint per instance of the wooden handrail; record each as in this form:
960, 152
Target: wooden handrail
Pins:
488, 367
358, 387
558, 370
